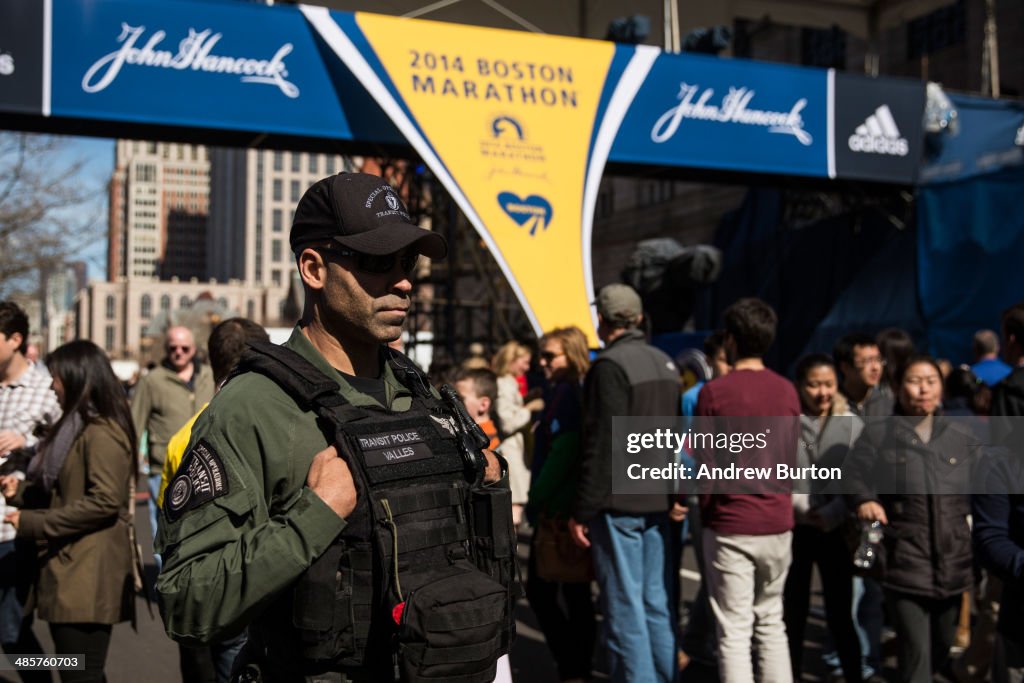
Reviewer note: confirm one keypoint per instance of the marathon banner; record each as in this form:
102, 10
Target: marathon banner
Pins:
729, 114
517, 126
232, 66
879, 128
23, 67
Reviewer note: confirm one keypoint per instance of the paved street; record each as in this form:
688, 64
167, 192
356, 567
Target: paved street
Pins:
151, 656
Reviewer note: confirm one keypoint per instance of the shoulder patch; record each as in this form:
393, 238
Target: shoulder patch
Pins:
200, 478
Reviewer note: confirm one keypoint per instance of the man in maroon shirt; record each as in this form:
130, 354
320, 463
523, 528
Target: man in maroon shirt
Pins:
747, 536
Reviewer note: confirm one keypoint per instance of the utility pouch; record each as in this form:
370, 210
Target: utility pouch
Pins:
494, 541
332, 604
451, 627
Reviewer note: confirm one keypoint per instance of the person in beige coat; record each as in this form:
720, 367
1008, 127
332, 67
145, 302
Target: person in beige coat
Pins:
510, 363
75, 502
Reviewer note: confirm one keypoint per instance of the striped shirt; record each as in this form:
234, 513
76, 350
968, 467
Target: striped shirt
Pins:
25, 403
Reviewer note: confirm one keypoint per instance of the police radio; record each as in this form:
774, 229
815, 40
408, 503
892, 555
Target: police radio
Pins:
472, 439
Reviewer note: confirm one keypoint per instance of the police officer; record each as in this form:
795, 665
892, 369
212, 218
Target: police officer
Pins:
262, 492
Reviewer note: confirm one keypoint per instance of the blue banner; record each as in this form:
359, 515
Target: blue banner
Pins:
211, 65
728, 114
989, 137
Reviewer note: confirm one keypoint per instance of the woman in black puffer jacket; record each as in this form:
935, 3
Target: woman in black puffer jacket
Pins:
911, 472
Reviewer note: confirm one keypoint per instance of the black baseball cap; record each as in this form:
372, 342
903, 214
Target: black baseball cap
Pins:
361, 212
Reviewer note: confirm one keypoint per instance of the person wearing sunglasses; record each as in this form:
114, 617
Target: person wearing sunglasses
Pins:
262, 544
165, 399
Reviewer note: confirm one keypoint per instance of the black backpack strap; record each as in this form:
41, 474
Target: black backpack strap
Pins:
301, 379
409, 374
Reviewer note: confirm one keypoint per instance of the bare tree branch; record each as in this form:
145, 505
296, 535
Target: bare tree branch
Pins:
47, 208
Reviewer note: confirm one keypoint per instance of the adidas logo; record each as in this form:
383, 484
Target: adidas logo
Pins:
879, 135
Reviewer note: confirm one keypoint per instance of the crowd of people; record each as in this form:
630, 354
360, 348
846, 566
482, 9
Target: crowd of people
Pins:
943, 552
235, 571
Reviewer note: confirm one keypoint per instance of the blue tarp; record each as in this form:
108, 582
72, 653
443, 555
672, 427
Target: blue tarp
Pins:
971, 257
852, 272
971, 224
988, 140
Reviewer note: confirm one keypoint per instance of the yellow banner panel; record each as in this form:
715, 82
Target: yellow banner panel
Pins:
511, 116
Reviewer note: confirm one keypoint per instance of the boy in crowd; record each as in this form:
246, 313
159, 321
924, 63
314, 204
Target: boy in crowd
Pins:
478, 388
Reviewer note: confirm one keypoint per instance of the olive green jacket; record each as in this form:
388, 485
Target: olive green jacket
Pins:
228, 559
162, 403
86, 574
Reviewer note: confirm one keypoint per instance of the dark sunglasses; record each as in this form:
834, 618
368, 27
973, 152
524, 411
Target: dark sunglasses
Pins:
548, 356
378, 264
186, 349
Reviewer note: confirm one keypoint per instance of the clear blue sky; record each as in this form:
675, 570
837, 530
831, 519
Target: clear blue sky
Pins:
98, 155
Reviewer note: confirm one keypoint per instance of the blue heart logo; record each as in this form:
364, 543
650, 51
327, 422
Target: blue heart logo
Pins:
534, 211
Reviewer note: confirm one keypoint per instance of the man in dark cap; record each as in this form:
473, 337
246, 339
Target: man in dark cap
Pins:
262, 494
628, 532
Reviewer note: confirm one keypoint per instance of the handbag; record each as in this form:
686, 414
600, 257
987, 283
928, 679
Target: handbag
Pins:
556, 555
138, 563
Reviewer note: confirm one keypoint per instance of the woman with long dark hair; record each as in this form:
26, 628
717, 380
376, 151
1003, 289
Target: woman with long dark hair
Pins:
75, 499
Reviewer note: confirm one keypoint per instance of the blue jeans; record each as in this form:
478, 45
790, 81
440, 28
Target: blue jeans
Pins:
868, 619
224, 654
153, 481
633, 570
10, 606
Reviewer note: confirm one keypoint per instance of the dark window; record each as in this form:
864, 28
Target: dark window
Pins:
146, 306
825, 48
933, 32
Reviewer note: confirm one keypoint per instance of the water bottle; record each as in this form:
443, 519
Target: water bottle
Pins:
867, 552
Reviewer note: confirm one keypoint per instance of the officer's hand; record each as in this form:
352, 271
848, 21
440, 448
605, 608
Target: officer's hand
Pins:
493, 471
330, 478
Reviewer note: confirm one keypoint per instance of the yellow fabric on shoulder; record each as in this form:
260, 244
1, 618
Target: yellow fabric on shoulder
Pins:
175, 452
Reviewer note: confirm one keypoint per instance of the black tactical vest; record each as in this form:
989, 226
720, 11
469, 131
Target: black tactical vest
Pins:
421, 584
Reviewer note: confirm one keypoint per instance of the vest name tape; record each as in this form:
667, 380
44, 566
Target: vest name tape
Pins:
200, 479
391, 448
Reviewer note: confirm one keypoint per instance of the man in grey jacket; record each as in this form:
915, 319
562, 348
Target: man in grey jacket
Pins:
628, 534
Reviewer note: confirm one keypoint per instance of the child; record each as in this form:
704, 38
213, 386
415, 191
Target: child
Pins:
478, 388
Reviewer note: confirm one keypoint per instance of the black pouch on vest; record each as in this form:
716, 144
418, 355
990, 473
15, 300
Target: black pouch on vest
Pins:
494, 541
322, 608
452, 627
